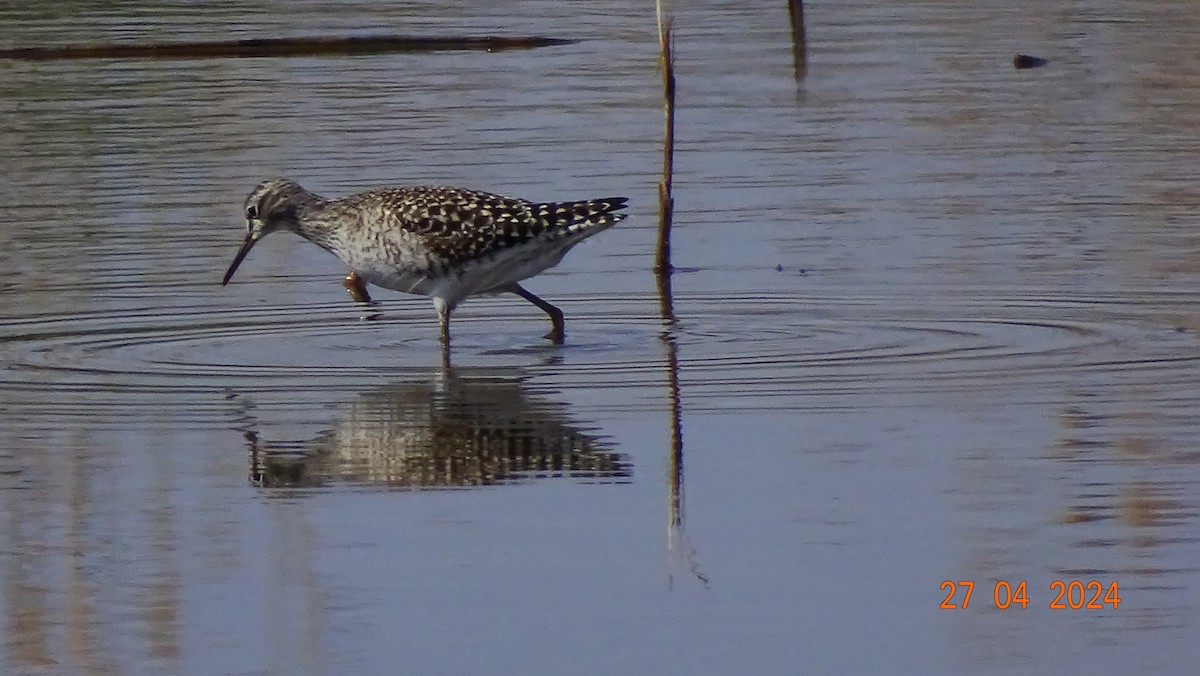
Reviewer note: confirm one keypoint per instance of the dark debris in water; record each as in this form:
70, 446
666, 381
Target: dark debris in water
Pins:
800, 271
1024, 61
265, 47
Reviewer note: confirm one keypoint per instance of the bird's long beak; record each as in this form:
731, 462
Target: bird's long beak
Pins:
247, 244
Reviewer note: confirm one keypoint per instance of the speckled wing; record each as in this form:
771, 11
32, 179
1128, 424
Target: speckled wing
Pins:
457, 226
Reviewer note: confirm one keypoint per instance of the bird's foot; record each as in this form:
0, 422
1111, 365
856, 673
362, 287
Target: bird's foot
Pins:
357, 288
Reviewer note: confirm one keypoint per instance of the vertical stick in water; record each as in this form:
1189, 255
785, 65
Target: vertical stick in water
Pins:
666, 202
677, 541
799, 39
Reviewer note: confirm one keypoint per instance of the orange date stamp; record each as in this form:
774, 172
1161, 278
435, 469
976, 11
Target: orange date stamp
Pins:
1067, 594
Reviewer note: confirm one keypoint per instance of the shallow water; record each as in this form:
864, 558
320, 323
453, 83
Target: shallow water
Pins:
936, 320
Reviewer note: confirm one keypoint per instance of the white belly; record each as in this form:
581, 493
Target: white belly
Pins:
486, 276
407, 281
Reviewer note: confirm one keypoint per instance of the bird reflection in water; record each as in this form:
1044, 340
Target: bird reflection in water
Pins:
453, 429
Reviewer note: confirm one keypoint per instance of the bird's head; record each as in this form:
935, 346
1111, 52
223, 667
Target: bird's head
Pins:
273, 205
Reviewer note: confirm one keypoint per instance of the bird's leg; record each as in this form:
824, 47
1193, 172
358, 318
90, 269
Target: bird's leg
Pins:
357, 288
558, 333
443, 310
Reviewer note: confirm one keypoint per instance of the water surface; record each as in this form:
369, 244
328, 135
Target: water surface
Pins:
936, 319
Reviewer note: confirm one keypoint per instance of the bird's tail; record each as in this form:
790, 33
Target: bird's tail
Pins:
572, 217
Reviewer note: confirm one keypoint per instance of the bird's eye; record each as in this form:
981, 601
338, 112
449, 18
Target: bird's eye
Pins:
251, 212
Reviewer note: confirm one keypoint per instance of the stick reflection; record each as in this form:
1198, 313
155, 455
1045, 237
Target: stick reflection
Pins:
678, 544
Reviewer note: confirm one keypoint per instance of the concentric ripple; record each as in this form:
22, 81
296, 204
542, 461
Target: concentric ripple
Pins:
734, 351
775, 351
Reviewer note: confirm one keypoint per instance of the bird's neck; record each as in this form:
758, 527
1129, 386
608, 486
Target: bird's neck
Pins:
314, 222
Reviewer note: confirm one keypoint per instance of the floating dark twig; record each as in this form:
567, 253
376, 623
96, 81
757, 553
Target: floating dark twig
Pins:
266, 47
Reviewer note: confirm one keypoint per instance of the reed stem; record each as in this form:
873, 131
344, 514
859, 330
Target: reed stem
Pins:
666, 200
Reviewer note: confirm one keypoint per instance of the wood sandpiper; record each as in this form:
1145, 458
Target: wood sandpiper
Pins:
445, 243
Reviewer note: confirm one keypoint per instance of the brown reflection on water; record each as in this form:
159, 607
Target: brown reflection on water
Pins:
28, 622
1148, 500
160, 601
294, 603
453, 429
82, 622
53, 607
1129, 496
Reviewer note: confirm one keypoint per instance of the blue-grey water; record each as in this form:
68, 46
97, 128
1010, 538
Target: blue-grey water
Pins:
936, 320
